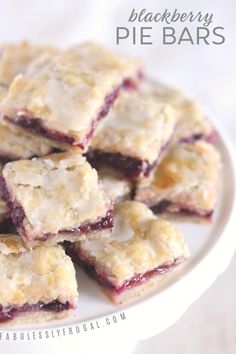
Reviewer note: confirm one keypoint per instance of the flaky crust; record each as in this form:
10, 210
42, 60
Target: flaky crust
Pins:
116, 186
11, 244
67, 91
15, 59
139, 126
191, 121
58, 192
139, 242
188, 176
30, 276
19, 144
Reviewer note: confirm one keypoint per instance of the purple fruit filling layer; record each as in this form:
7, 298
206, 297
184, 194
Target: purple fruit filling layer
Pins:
211, 138
101, 278
130, 167
36, 125
18, 215
10, 312
169, 207
106, 222
7, 227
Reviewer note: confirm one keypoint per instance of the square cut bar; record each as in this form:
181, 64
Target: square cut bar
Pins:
35, 285
15, 59
64, 96
192, 123
55, 198
16, 143
134, 134
185, 183
130, 260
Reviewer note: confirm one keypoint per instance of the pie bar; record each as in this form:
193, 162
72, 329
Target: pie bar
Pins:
18, 144
35, 285
117, 187
191, 124
131, 259
64, 96
134, 135
185, 183
15, 59
55, 198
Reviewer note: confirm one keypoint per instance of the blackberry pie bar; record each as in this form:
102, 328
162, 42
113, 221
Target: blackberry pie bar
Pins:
186, 182
64, 96
35, 285
132, 258
55, 198
133, 136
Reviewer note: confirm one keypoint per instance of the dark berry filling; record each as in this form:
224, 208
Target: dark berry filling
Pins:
161, 207
104, 223
10, 312
211, 138
130, 167
167, 206
101, 278
16, 211
36, 125
7, 227
4, 158
18, 215
109, 100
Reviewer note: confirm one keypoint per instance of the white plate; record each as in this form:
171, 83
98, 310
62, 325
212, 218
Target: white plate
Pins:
211, 246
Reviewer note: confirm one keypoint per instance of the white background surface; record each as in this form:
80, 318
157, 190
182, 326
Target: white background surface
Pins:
207, 72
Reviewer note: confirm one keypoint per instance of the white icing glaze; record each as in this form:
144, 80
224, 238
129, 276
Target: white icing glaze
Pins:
60, 192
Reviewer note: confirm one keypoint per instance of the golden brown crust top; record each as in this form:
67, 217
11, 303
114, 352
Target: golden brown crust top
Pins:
11, 244
188, 175
28, 277
138, 243
138, 126
55, 88
191, 120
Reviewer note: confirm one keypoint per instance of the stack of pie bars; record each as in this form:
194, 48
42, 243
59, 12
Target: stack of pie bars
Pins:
96, 160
